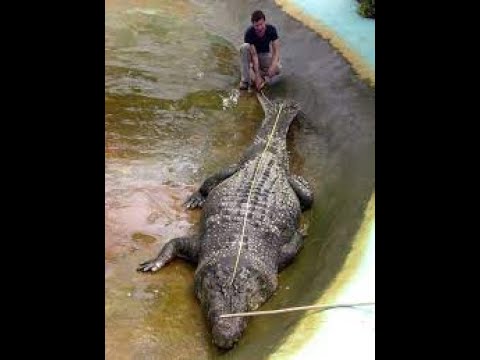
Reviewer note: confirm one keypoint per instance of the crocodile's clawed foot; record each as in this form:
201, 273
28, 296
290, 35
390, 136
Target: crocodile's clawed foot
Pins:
150, 266
196, 200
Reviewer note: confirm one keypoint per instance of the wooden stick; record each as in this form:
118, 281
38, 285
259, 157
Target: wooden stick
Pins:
298, 308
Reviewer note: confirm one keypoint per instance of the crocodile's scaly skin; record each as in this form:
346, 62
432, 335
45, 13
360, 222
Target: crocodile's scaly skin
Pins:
249, 228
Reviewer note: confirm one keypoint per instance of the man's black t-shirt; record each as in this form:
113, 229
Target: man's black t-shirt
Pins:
262, 45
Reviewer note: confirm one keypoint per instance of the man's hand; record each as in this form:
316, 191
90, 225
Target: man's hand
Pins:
259, 82
272, 71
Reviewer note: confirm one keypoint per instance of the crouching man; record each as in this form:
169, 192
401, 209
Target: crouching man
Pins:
260, 54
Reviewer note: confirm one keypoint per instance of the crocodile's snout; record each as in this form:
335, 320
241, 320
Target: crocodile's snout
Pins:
219, 296
227, 331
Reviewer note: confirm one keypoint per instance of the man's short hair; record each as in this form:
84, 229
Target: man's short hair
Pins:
257, 15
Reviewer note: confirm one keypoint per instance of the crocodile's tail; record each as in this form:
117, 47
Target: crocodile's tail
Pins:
269, 105
279, 114
264, 101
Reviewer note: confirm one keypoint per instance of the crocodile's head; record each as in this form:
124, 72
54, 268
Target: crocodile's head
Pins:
219, 295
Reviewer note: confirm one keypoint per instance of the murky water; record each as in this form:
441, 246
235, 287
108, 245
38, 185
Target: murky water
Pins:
174, 117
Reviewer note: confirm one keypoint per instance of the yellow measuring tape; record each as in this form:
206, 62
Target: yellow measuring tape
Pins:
257, 169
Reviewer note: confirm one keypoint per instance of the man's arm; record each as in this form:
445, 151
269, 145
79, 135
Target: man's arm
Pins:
256, 66
273, 69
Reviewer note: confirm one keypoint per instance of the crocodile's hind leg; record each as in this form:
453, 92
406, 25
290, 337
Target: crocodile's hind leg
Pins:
303, 191
184, 247
289, 250
198, 197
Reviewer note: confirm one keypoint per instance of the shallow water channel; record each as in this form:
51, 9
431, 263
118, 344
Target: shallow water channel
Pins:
173, 117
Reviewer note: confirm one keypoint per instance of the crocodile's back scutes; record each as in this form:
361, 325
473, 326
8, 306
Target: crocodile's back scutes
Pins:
256, 206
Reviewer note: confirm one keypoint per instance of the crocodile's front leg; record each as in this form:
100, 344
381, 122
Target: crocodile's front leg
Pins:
289, 250
303, 191
198, 197
184, 247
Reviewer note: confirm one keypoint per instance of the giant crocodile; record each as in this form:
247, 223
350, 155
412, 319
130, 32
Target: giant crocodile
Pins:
249, 229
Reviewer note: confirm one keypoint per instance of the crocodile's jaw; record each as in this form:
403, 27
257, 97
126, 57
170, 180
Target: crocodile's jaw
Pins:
227, 331
218, 296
